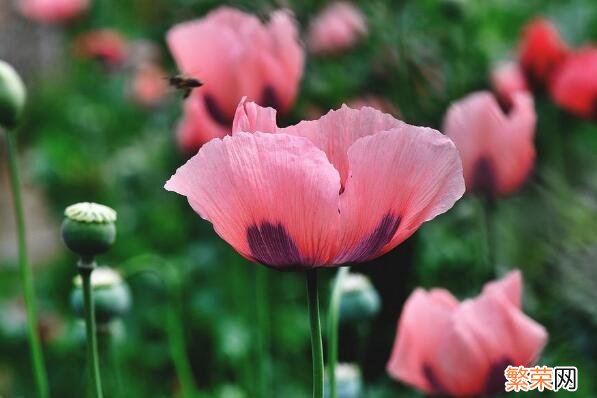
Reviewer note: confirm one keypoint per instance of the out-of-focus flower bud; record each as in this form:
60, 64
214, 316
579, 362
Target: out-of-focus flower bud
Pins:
89, 229
105, 45
359, 300
111, 295
348, 381
52, 11
12, 96
336, 28
148, 86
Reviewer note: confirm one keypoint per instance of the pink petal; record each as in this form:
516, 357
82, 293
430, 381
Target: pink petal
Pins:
286, 45
485, 136
514, 154
196, 44
336, 131
198, 125
273, 197
510, 286
459, 366
502, 330
398, 179
574, 85
508, 79
425, 316
251, 117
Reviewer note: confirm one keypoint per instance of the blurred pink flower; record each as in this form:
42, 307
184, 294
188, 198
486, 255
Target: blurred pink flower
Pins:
52, 11
149, 85
106, 45
574, 86
345, 188
507, 79
337, 28
497, 149
234, 55
462, 348
541, 51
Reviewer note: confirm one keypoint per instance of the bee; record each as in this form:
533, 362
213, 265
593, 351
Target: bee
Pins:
184, 83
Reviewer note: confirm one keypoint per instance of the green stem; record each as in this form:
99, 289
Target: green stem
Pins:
263, 329
169, 276
117, 368
316, 344
486, 210
39, 368
176, 340
333, 329
85, 270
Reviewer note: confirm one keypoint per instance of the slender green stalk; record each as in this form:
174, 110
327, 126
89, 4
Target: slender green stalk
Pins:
85, 270
333, 313
316, 343
169, 276
486, 210
176, 340
263, 330
116, 368
39, 368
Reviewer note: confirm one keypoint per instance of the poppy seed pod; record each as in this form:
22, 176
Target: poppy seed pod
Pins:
111, 295
348, 381
12, 96
89, 229
360, 301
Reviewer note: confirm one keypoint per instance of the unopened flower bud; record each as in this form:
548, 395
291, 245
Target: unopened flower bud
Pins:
89, 229
349, 383
360, 300
12, 96
111, 295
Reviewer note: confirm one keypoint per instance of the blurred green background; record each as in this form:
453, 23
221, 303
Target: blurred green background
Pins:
85, 140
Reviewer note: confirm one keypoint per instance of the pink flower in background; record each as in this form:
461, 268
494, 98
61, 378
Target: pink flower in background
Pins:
234, 54
345, 188
462, 348
376, 102
508, 79
52, 11
574, 86
497, 149
149, 85
337, 28
105, 45
541, 51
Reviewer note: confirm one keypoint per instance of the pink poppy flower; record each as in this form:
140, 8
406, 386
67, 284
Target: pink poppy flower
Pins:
497, 149
507, 79
148, 85
105, 45
52, 11
345, 188
337, 28
462, 348
541, 51
574, 86
234, 54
